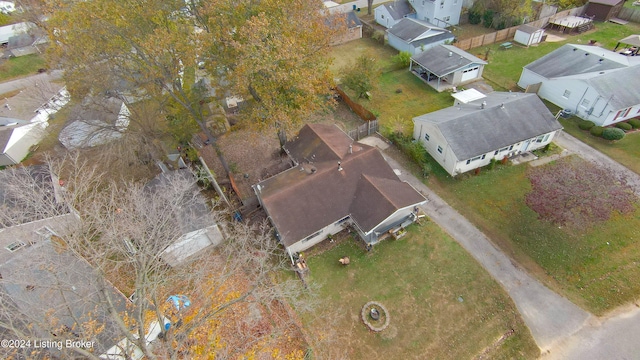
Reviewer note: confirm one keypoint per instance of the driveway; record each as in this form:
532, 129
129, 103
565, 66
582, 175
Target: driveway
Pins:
586, 152
550, 317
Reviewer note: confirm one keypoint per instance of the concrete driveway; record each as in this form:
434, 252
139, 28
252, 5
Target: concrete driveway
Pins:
550, 317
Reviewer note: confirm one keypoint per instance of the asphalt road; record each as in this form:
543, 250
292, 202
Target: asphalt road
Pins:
9, 86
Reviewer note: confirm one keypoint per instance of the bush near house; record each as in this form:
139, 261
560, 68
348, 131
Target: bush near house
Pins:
635, 123
596, 130
624, 126
612, 134
585, 124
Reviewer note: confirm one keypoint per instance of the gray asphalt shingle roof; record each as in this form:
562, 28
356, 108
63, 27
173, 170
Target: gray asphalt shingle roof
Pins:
438, 61
619, 85
574, 59
398, 9
507, 119
411, 30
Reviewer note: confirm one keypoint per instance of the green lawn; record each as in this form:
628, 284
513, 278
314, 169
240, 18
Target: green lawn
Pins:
442, 303
21, 66
505, 66
625, 151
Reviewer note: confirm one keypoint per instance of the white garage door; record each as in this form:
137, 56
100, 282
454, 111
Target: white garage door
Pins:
470, 74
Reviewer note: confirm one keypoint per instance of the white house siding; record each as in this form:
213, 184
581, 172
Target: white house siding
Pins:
399, 44
499, 154
321, 235
397, 218
446, 158
22, 139
618, 115
429, 11
383, 17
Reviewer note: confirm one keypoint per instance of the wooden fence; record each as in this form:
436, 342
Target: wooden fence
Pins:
508, 33
363, 113
364, 130
629, 14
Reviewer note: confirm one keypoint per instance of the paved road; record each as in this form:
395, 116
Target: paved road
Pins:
615, 338
588, 153
550, 317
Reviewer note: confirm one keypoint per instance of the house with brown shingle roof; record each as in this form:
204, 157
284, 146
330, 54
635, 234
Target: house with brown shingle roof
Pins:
335, 182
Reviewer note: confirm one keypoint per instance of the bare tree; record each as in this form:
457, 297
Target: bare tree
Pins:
122, 235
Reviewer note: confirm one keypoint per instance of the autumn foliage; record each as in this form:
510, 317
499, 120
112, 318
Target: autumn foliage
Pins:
576, 193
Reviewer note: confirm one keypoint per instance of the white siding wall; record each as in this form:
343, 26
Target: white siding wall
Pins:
453, 166
446, 158
429, 10
331, 229
514, 149
394, 218
528, 77
398, 44
618, 115
383, 18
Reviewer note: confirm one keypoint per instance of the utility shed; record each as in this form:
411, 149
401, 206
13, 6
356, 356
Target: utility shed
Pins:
528, 35
603, 10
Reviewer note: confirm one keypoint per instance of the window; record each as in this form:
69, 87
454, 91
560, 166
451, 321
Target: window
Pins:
446, 18
468, 70
382, 16
496, 153
540, 138
585, 103
510, 147
344, 219
442, 4
566, 94
475, 158
426, 137
311, 236
622, 113
440, 149
504, 149
546, 137
14, 246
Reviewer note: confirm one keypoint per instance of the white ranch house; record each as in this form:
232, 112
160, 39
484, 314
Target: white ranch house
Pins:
593, 83
480, 127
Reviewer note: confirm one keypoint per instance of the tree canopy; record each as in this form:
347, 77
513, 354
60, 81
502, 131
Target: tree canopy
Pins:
274, 51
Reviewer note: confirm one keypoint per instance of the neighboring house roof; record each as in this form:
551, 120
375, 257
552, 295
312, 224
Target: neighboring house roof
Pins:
445, 59
353, 21
631, 40
418, 32
315, 193
339, 20
33, 103
16, 209
95, 122
506, 119
574, 59
606, 2
195, 222
44, 280
619, 86
528, 29
399, 9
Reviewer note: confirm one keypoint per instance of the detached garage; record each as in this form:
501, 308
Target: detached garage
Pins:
528, 35
603, 10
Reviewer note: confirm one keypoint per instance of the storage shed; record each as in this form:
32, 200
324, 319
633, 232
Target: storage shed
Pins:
528, 35
603, 10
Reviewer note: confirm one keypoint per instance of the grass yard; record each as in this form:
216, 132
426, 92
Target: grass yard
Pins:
21, 66
596, 268
625, 151
400, 96
505, 66
442, 304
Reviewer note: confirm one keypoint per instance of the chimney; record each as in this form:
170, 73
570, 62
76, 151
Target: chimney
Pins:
339, 166
484, 103
350, 149
502, 106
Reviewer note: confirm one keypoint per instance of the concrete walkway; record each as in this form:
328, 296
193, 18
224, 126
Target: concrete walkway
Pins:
550, 317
